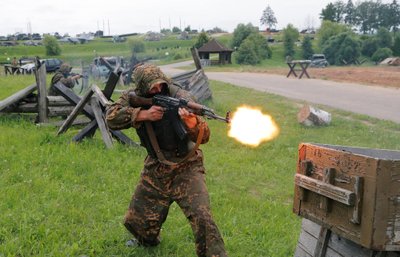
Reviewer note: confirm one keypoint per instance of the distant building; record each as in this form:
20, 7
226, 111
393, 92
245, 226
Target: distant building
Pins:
215, 47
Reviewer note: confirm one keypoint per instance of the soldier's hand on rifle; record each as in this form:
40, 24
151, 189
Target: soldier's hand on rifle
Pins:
187, 117
153, 114
77, 76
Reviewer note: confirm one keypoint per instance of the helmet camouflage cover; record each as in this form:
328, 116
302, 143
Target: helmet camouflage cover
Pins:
146, 75
65, 68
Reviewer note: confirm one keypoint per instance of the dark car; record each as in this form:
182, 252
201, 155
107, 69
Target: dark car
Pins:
319, 61
52, 64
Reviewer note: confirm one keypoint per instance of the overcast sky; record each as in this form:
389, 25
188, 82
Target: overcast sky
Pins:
127, 16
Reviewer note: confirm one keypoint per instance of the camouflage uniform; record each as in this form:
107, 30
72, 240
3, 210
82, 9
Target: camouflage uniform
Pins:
61, 75
161, 184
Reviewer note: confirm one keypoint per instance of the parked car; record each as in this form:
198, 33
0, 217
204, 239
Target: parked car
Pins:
319, 61
52, 64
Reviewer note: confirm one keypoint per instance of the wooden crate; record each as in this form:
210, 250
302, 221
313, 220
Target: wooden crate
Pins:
315, 241
355, 192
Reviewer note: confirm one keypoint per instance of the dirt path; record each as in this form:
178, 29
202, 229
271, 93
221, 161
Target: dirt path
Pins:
382, 102
373, 76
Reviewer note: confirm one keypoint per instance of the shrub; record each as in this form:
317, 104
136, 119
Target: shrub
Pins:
381, 54
51, 45
306, 46
290, 36
201, 40
241, 32
369, 46
136, 45
344, 48
396, 46
247, 53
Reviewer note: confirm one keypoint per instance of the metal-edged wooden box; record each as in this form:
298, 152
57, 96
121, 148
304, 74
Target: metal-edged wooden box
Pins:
355, 192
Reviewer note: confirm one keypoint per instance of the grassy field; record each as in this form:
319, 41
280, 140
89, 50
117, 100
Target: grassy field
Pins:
64, 199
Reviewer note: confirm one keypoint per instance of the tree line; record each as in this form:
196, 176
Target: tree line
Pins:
366, 16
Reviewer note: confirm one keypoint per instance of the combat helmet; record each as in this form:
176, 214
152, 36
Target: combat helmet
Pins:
147, 75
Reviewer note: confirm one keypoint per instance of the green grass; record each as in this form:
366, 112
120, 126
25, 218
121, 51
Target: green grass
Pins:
65, 199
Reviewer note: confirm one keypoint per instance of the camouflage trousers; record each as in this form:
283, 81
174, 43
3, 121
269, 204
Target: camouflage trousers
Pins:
161, 185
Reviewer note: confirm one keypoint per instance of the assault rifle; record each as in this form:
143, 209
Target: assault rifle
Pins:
171, 106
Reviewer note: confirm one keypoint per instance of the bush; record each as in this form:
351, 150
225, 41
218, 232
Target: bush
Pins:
369, 46
201, 40
51, 45
241, 32
307, 48
247, 53
396, 46
381, 54
344, 48
290, 36
177, 56
136, 45
253, 49
329, 29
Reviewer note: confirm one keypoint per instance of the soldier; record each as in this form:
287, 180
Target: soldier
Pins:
63, 75
173, 169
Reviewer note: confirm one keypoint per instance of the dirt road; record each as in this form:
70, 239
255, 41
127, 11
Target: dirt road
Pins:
375, 101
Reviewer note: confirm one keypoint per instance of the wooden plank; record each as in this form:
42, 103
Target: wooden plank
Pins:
100, 122
54, 111
122, 138
42, 91
333, 192
325, 204
347, 248
15, 98
322, 243
307, 243
57, 101
68, 94
102, 99
87, 131
68, 122
196, 58
111, 84
358, 190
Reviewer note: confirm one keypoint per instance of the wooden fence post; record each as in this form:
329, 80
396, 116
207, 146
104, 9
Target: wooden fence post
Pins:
40, 73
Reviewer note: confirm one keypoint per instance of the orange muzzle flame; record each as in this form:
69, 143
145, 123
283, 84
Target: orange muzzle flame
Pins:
251, 127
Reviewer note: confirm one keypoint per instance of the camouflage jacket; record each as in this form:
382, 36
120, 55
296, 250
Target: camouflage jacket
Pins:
120, 115
59, 77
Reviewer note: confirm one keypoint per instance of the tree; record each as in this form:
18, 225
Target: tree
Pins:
396, 46
329, 29
253, 50
201, 40
349, 13
328, 13
306, 46
344, 48
246, 53
241, 32
394, 16
369, 46
52, 46
384, 38
381, 54
290, 36
268, 17
176, 30
187, 29
367, 13
340, 9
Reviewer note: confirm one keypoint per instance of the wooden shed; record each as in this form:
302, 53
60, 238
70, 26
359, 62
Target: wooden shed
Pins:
215, 47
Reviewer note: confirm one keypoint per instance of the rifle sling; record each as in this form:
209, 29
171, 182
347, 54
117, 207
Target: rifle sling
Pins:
156, 147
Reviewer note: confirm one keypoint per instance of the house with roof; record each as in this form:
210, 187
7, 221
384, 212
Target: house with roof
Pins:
215, 47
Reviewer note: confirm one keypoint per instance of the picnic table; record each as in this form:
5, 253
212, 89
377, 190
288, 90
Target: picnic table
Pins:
303, 65
11, 69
